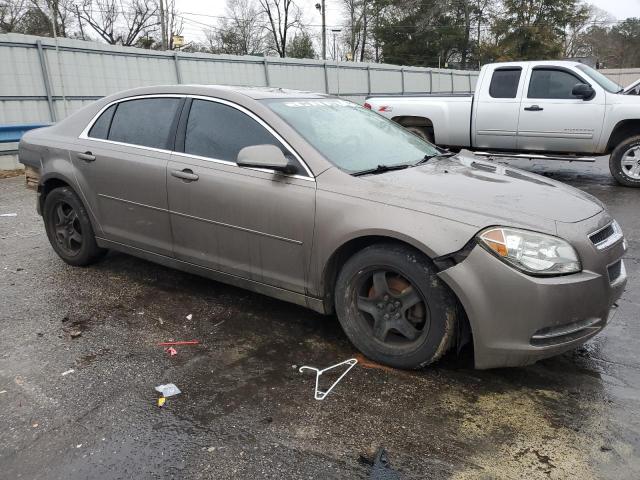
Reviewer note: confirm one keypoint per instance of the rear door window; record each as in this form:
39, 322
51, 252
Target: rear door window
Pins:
100, 128
219, 131
504, 83
549, 83
146, 122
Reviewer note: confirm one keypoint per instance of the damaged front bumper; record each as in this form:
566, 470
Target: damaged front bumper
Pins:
517, 319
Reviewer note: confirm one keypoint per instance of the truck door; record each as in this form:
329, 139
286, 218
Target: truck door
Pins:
553, 119
497, 108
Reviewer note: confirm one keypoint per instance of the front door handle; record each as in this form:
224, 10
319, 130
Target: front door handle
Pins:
87, 156
533, 108
186, 174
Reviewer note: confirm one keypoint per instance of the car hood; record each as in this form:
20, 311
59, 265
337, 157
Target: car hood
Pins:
485, 193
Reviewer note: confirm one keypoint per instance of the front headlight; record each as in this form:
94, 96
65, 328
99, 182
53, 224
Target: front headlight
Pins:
531, 252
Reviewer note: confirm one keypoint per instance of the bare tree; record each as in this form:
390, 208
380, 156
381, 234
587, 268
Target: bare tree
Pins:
242, 32
11, 13
117, 22
575, 44
59, 13
173, 23
282, 17
355, 28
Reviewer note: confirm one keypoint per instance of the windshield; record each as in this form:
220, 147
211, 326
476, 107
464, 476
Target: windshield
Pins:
600, 79
349, 136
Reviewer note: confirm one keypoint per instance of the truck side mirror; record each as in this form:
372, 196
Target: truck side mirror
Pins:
583, 91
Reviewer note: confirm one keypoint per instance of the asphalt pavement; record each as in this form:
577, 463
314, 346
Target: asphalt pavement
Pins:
79, 361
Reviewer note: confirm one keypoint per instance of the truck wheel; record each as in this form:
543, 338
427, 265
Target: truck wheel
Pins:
394, 308
423, 132
69, 228
624, 162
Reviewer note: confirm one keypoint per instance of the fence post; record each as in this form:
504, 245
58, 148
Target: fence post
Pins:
453, 88
368, 79
266, 71
175, 61
430, 81
326, 78
402, 78
47, 80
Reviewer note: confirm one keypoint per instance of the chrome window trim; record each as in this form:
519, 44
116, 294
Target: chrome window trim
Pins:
229, 163
84, 135
611, 240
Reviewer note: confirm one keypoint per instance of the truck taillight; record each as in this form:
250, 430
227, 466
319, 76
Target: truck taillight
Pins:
367, 106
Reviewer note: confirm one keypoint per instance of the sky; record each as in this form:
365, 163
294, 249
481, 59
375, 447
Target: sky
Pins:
201, 12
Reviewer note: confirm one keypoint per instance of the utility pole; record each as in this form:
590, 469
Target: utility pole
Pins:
163, 26
54, 20
320, 7
324, 32
80, 22
335, 31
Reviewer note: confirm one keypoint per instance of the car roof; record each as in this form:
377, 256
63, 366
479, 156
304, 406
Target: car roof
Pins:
256, 93
262, 92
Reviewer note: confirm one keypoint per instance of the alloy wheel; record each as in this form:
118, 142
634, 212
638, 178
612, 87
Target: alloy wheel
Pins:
67, 228
392, 308
630, 163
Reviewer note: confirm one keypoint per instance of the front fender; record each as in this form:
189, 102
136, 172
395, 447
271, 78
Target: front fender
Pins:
341, 219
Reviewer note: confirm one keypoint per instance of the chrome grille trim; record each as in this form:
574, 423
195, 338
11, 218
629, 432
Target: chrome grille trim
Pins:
606, 236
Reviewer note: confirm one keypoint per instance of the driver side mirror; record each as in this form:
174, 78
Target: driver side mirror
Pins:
265, 156
583, 91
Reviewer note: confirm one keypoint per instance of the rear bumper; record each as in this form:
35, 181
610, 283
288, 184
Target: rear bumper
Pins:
517, 319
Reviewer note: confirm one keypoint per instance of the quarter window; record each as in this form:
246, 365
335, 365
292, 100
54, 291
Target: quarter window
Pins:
218, 131
504, 83
100, 128
145, 122
547, 83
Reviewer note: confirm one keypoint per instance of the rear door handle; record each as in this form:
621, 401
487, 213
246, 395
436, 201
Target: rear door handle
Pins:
87, 156
185, 174
533, 108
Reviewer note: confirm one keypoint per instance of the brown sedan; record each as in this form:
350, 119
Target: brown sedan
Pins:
317, 201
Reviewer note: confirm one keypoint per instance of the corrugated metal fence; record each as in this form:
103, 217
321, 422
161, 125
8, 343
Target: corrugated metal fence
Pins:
42, 80
622, 76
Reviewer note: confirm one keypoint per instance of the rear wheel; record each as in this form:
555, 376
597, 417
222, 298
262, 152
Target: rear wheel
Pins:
394, 308
624, 162
69, 229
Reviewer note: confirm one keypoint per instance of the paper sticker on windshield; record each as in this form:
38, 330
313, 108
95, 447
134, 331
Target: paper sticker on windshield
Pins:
321, 103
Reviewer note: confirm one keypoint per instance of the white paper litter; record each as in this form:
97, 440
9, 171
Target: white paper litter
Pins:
8, 214
168, 390
68, 372
190, 316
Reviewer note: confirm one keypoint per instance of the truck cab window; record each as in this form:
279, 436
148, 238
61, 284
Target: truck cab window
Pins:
504, 83
550, 83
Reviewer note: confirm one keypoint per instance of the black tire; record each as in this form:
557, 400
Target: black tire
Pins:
69, 229
621, 162
423, 132
359, 292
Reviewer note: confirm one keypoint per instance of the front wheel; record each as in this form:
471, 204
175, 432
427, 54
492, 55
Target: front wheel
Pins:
394, 308
624, 162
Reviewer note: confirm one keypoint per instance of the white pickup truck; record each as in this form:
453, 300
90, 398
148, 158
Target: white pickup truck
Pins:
548, 109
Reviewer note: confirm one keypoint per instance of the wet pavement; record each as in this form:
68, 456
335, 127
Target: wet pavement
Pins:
246, 412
